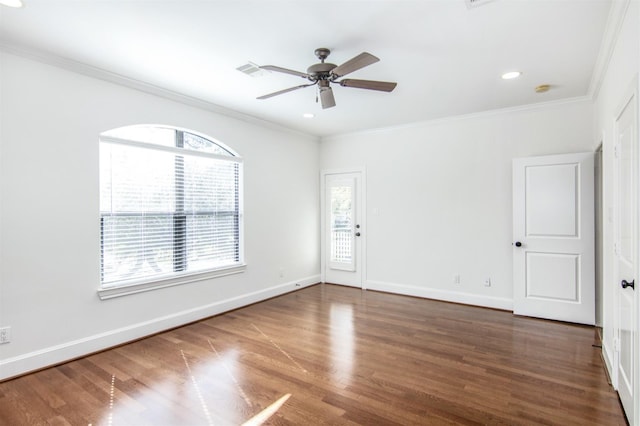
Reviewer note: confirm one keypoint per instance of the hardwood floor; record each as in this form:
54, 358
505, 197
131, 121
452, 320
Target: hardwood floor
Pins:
332, 355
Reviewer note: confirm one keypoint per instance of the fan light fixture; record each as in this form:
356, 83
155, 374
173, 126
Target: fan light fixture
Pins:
511, 75
308, 115
11, 3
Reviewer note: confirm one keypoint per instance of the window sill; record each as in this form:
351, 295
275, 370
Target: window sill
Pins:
133, 288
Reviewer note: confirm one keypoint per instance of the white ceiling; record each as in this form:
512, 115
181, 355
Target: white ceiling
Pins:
446, 58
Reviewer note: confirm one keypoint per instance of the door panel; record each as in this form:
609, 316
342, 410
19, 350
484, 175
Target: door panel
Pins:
343, 229
553, 225
548, 186
553, 276
625, 153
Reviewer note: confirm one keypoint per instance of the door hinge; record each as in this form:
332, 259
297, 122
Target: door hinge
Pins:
616, 345
616, 151
616, 248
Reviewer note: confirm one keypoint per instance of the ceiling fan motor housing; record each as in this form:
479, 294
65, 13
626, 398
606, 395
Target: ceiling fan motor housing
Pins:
320, 71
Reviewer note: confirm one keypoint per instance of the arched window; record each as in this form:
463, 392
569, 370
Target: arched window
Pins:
170, 207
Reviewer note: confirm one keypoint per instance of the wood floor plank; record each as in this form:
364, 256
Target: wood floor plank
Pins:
336, 355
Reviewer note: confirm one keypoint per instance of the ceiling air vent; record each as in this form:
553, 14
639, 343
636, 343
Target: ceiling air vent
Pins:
476, 3
252, 70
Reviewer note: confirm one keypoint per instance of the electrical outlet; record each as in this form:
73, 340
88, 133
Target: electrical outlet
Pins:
456, 278
487, 282
5, 335
281, 272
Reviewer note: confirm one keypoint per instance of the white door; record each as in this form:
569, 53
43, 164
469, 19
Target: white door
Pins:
625, 152
553, 230
343, 229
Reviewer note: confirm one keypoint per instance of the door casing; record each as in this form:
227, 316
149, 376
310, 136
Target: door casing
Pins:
630, 403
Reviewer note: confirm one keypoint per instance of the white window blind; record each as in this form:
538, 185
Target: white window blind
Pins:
169, 205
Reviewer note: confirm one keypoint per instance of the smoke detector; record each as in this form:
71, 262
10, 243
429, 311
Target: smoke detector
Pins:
542, 88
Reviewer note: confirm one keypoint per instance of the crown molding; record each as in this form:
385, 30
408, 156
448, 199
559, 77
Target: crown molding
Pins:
141, 86
616, 17
475, 115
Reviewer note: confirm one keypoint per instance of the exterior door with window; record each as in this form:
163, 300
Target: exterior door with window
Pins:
343, 229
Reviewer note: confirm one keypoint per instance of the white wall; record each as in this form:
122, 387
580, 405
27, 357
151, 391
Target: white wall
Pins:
49, 263
621, 75
442, 191
443, 195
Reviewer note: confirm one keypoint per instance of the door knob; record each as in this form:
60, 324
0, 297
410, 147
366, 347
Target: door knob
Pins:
626, 284
357, 234
518, 244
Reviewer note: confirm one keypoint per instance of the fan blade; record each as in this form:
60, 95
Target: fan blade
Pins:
383, 86
326, 97
354, 64
284, 70
280, 92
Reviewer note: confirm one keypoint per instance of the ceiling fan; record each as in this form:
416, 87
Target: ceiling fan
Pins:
325, 73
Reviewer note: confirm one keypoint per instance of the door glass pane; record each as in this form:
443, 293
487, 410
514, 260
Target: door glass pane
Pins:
341, 224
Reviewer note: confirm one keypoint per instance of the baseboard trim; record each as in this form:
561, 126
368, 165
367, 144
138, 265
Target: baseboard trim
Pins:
443, 295
46, 357
607, 357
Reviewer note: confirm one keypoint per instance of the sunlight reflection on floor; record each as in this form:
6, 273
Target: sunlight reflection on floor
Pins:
200, 376
342, 343
265, 414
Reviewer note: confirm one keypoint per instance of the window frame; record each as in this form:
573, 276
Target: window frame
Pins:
180, 275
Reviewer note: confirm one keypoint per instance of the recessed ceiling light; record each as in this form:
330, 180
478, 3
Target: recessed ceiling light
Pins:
511, 74
11, 3
308, 115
